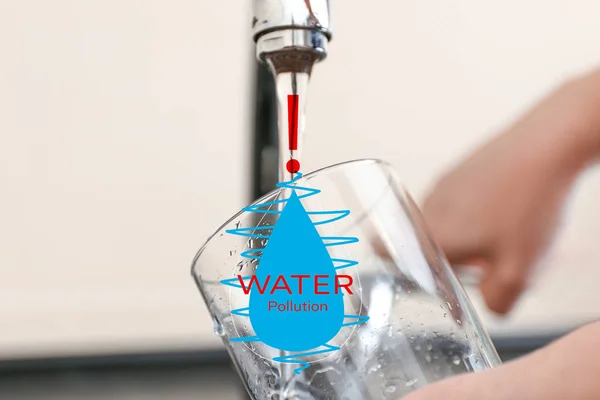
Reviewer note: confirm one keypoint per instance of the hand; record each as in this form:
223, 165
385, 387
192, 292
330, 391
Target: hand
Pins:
498, 209
563, 370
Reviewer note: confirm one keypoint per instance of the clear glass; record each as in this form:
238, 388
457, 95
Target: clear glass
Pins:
421, 326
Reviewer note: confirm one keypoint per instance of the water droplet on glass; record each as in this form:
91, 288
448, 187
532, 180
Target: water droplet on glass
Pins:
411, 382
429, 347
390, 389
230, 253
374, 368
455, 359
449, 306
445, 315
458, 321
428, 357
218, 328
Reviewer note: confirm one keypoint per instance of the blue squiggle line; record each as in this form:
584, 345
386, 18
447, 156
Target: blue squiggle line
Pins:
283, 185
250, 254
242, 231
292, 358
343, 263
233, 281
242, 312
261, 232
338, 240
342, 214
359, 320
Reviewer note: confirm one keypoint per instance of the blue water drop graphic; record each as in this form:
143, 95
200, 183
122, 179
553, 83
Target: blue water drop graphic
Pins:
296, 301
296, 249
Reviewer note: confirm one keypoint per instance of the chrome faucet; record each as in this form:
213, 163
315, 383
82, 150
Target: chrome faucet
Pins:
291, 35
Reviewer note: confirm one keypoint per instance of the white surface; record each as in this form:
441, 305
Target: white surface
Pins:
123, 129
122, 139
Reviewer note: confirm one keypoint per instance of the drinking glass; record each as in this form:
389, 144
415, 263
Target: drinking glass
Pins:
413, 322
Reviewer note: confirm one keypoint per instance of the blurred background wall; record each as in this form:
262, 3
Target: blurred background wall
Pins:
124, 142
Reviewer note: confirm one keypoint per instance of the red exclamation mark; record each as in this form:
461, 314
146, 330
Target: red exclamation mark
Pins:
292, 165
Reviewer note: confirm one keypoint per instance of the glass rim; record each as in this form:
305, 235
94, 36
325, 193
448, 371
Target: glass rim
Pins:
312, 174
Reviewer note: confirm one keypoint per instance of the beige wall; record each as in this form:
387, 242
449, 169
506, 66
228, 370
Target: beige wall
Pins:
123, 143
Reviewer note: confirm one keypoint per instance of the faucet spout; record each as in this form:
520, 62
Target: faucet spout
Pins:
291, 35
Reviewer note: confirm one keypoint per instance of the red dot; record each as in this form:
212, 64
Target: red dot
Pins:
293, 166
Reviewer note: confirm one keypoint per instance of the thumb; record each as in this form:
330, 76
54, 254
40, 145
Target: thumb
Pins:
493, 384
486, 385
503, 283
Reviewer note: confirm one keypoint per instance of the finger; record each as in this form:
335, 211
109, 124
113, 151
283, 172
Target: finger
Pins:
478, 262
445, 228
380, 248
488, 385
471, 269
530, 377
503, 284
